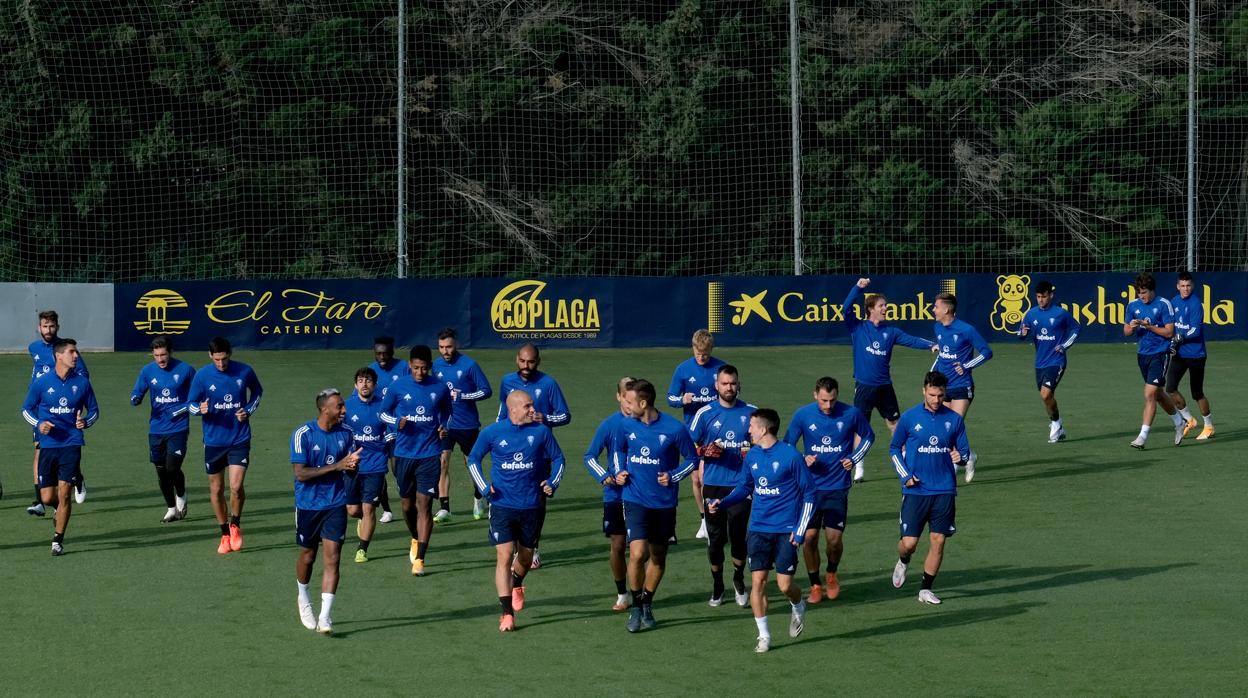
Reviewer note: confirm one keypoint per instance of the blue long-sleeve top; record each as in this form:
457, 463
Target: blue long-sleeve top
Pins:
1189, 326
547, 397
1048, 329
646, 449
959, 343
226, 391
921, 446
423, 407
730, 427
51, 398
830, 438
873, 344
604, 441
780, 485
520, 458
169, 388
691, 377
468, 386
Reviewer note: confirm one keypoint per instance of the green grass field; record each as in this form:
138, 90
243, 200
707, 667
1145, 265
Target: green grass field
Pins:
1079, 568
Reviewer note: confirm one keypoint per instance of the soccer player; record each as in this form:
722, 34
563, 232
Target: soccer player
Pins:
552, 409
365, 483
320, 452
44, 361
468, 386
418, 408
388, 370
929, 443
169, 381
721, 431
1189, 336
648, 465
836, 438
526, 468
1150, 319
692, 387
59, 405
1053, 331
958, 343
225, 394
613, 526
776, 476
873, 341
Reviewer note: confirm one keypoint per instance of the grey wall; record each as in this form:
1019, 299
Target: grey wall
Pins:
86, 312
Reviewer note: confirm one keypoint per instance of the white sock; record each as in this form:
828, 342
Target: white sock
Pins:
762, 627
1185, 414
171, 511
1144, 431
799, 607
1209, 419
303, 593
1055, 424
1177, 419
180, 502
327, 603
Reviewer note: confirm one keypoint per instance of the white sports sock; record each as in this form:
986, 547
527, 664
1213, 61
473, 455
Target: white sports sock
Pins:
1209, 419
1185, 414
303, 593
327, 603
180, 502
762, 627
1055, 424
1144, 431
800, 606
1177, 419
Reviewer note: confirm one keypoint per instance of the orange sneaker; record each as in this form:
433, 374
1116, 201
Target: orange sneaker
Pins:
816, 594
517, 598
1189, 425
506, 623
832, 585
236, 537
1206, 433
224, 547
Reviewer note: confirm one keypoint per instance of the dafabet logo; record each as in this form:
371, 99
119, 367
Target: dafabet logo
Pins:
157, 303
520, 311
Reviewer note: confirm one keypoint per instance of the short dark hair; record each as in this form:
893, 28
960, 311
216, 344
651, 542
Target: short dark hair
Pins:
59, 345
1185, 276
163, 342
827, 383
324, 396
935, 379
1045, 287
622, 385
769, 417
537, 353
446, 333
50, 315
948, 299
1145, 280
220, 345
420, 352
644, 389
384, 341
365, 372
729, 369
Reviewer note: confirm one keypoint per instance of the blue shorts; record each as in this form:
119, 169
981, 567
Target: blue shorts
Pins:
1153, 367
935, 510
417, 476
1049, 377
464, 438
613, 519
831, 508
167, 449
59, 465
877, 397
513, 526
656, 526
964, 393
768, 549
313, 525
363, 488
216, 458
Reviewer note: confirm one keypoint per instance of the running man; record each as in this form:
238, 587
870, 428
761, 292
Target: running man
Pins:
388, 370
44, 361
468, 386
365, 483
693, 387
169, 381
526, 466
613, 526
1150, 319
1053, 331
225, 394
1190, 355
957, 344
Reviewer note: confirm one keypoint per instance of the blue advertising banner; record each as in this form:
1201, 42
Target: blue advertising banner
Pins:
622, 312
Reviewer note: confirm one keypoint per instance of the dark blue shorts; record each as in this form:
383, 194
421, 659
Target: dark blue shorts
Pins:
513, 526
877, 397
313, 525
1049, 377
613, 519
417, 476
464, 438
1153, 367
59, 465
772, 549
216, 458
363, 488
964, 393
935, 510
167, 449
831, 508
656, 526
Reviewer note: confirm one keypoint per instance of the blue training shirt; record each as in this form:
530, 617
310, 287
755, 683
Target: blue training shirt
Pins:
1189, 326
958, 343
389, 374
49, 398
873, 344
730, 426
690, 377
370, 432
548, 399
645, 450
44, 359
603, 441
468, 386
313, 447
226, 391
830, 438
426, 405
921, 446
169, 388
1049, 328
783, 493
521, 458
1158, 313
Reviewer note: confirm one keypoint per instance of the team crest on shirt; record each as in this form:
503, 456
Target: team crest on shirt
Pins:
530, 437
662, 439
238, 382
73, 389
884, 335
433, 396
1052, 320
459, 374
775, 466
840, 426
176, 377
948, 426
955, 338
537, 392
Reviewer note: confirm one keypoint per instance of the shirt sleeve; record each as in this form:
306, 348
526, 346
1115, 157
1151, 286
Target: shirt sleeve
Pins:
480, 383
985, 351
555, 454
687, 451
475, 469
255, 390
298, 446
855, 294
140, 389
92, 407
30, 406
596, 469
195, 394
895, 448
675, 393
960, 441
1072, 330
806, 489
908, 340
862, 427
562, 415
796, 425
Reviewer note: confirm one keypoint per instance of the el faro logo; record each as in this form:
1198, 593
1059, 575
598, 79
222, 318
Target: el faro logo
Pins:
519, 309
157, 303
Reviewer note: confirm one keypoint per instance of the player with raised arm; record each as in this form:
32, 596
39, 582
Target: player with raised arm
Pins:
59, 405
929, 443
169, 382
613, 526
526, 466
225, 394
873, 340
365, 483
321, 451
388, 370
1189, 355
468, 386
836, 438
44, 361
1150, 319
721, 431
1053, 331
776, 477
552, 410
418, 408
654, 453
960, 348
692, 387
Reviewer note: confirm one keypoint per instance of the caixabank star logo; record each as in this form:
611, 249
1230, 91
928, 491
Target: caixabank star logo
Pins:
156, 304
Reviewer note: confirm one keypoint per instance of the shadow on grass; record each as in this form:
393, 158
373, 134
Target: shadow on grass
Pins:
930, 620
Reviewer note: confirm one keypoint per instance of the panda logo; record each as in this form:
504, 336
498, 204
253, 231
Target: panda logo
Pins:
1012, 301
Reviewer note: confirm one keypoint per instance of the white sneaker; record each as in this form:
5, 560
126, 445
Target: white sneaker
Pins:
57, 549
701, 535
797, 620
443, 516
170, 516
1178, 435
1138, 444
743, 596
480, 509
899, 574
764, 644
1056, 433
970, 467
860, 472
80, 491
926, 596
537, 560
716, 601
386, 517
36, 509
180, 506
325, 626
306, 616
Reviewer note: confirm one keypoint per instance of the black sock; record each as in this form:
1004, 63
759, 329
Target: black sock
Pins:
505, 602
38, 500
927, 581
637, 595
421, 549
58, 537
445, 502
225, 529
236, 520
831, 567
166, 486
814, 578
517, 580
905, 559
619, 586
647, 597
738, 577
1055, 415
179, 483
717, 588
364, 544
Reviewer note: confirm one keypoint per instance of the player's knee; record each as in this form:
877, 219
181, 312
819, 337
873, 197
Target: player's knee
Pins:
237, 491
716, 555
